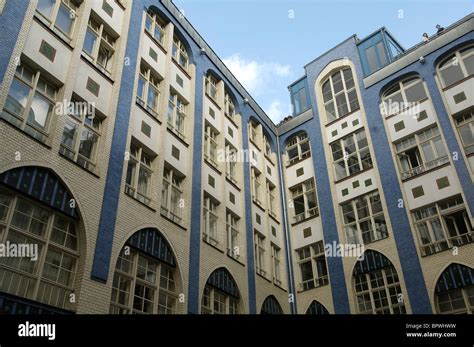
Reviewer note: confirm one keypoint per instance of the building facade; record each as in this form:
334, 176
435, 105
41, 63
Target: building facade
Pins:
150, 181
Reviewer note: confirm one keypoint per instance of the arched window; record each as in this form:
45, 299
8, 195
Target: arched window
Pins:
403, 94
376, 284
455, 290
271, 306
457, 66
298, 148
339, 94
221, 295
155, 25
39, 225
144, 279
316, 308
179, 52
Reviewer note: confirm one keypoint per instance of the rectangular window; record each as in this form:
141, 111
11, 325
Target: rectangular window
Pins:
210, 144
276, 264
420, 152
271, 190
443, 225
231, 163
253, 132
47, 50
81, 134
210, 221
364, 220
312, 264
99, 45
303, 201
172, 201
107, 8
259, 243
299, 97
155, 26
351, 155
211, 87
179, 53
30, 103
229, 107
60, 14
256, 186
148, 90
465, 125
298, 148
233, 248
176, 114
139, 173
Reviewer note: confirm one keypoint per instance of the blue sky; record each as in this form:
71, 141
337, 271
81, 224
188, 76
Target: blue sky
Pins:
266, 43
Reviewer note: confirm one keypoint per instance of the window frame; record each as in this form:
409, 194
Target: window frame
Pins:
157, 23
150, 80
137, 160
302, 190
52, 20
212, 87
173, 185
312, 254
344, 91
211, 143
232, 228
210, 215
457, 59
101, 34
230, 304
297, 142
179, 51
259, 250
177, 114
401, 87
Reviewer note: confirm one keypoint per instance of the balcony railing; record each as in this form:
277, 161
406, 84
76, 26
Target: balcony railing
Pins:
445, 244
314, 212
314, 283
425, 167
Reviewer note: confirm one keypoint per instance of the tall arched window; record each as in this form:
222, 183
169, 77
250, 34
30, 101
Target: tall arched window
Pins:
455, 290
316, 308
457, 66
144, 279
377, 287
339, 94
42, 227
221, 294
404, 94
271, 306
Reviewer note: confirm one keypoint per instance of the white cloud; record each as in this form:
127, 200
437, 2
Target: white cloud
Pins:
256, 76
276, 111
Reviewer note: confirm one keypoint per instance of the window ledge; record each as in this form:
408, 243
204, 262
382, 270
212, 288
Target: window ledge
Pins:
100, 70
141, 203
353, 175
274, 218
258, 204
216, 247
45, 24
179, 138
182, 69
340, 118
212, 166
232, 183
297, 161
236, 260
263, 276
142, 107
45, 144
304, 220
80, 166
158, 43
172, 221
213, 101
253, 143
404, 109
425, 172
231, 120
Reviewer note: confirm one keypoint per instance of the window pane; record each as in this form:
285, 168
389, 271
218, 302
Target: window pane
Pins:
69, 133
89, 41
17, 97
415, 93
88, 144
451, 74
39, 111
469, 64
45, 7
65, 19
342, 108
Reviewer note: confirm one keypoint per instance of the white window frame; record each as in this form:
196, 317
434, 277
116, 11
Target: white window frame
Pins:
172, 185
68, 4
157, 24
466, 120
42, 288
276, 269
103, 38
212, 87
177, 114
179, 53
297, 142
233, 245
231, 163
468, 308
416, 141
150, 80
424, 217
211, 146
304, 189
455, 58
229, 107
49, 93
141, 161
131, 276
312, 253
401, 87
210, 220
345, 91
345, 157
272, 205
230, 304
376, 232
259, 249
256, 186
